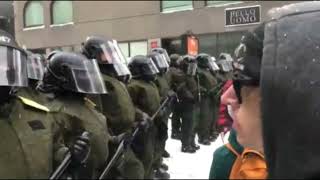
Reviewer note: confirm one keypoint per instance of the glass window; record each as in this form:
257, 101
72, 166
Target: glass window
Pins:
228, 42
221, 3
208, 44
125, 49
61, 12
214, 44
171, 6
138, 48
33, 14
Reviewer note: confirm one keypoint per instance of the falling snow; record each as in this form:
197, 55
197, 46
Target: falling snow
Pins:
190, 166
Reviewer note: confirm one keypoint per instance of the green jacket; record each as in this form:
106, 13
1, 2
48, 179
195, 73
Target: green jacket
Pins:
175, 77
187, 91
145, 96
223, 159
79, 114
208, 82
30, 139
117, 106
163, 86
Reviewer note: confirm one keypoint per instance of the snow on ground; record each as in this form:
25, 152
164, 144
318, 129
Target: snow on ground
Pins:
190, 166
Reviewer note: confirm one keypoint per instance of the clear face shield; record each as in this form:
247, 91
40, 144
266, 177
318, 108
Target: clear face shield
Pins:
13, 67
111, 54
151, 68
192, 69
88, 79
166, 56
35, 67
213, 65
161, 63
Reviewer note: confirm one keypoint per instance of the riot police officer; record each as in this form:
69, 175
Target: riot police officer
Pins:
146, 98
32, 139
117, 105
159, 58
225, 65
188, 94
208, 84
175, 77
67, 78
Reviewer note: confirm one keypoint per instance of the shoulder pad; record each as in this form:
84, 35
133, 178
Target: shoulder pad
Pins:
33, 104
89, 102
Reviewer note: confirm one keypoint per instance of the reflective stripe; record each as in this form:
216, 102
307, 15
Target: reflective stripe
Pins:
33, 104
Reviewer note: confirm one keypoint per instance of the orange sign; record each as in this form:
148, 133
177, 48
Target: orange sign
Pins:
193, 46
154, 44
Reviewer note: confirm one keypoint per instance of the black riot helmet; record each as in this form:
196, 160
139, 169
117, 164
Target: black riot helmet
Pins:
206, 61
72, 72
189, 65
163, 52
35, 66
142, 67
159, 60
225, 62
109, 56
175, 60
13, 62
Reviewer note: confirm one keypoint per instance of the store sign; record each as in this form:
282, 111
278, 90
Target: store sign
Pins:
193, 45
243, 15
154, 43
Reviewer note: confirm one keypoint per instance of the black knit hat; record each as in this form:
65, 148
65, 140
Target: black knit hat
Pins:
248, 55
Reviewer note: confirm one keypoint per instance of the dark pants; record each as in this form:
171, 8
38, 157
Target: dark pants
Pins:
144, 146
205, 119
213, 131
176, 118
187, 116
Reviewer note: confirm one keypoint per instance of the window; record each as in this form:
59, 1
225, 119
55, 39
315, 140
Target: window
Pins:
33, 14
61, 12
221, 3
172, 6
125, 49
138, 48
214, 44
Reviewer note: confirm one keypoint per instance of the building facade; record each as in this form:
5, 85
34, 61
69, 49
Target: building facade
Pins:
43, 26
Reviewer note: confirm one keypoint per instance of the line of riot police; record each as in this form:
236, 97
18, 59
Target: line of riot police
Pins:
88, 115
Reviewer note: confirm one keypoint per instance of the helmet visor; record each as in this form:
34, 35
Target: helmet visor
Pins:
35, 67
13, 67
212, 64
111, 54
88, 78
192, 69
160, 61
150, 68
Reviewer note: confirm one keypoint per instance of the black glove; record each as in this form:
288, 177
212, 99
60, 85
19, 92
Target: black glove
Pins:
81, 148
118, 139
172, 94
146, 122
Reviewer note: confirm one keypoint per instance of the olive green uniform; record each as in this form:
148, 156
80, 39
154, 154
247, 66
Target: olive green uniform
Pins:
208, 84
30, 141
81, 112
187, 94
175, 77
146, 98
120, 112
162, 125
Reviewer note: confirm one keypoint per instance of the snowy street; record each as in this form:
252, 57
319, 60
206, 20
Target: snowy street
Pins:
190, 166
